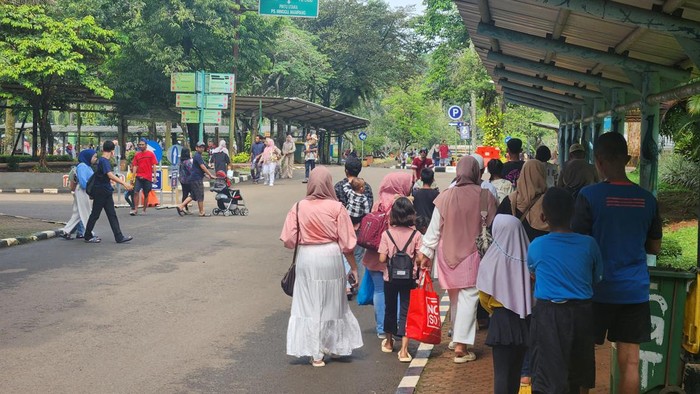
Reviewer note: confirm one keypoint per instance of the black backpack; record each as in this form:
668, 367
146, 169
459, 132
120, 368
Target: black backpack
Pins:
401, 264
90, 187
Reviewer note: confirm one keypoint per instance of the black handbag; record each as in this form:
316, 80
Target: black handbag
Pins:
289, 278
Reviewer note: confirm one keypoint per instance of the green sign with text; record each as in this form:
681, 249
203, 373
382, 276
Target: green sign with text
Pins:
294, 8
183, 82
211, 116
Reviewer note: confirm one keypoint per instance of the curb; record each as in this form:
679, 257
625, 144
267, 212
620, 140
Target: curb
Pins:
410, 379
36, 191
40, 236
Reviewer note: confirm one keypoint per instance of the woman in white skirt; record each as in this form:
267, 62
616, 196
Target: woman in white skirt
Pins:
82, 206
270, 156
321, 322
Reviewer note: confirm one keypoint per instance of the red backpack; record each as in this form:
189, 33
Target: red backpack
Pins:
371, 228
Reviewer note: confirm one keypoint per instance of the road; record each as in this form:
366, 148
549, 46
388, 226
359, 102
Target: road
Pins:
190, 305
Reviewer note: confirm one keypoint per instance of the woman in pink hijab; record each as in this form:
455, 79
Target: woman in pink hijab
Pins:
321, 322
394, 184
451, 241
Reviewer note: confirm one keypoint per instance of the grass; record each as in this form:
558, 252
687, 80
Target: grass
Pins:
683, 240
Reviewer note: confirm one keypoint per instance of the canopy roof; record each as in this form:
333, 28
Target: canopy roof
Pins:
559, 55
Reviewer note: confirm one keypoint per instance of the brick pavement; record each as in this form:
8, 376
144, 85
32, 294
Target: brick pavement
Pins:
441, 375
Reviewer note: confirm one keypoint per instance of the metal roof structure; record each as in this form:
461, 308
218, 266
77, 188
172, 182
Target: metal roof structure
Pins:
298, 111
558, 55
584, 60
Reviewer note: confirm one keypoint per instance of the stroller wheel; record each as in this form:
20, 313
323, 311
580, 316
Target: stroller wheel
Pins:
228, 213
215, 211
236, 211
244, 211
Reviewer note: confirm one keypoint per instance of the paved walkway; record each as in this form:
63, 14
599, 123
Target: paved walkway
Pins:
441, 375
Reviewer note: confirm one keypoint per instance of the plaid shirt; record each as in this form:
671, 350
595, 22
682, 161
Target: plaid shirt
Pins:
342, 196
358, 205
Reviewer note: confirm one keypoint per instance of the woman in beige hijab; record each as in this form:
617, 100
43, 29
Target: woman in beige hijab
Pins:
451, 241
288, 149
526, 200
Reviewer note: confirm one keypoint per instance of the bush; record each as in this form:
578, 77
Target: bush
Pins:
670, 248
676, 170
243, 157
13, 162
28, 158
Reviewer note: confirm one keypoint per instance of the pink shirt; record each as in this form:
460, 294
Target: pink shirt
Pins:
321, 222
400, 235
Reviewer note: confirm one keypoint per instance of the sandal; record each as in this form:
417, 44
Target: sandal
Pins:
385, 349
317, 363
406, 359
464, 358
180, 212
93, 240
132, 213
204, 215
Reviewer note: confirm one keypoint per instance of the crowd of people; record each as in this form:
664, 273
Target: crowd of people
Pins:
566, 268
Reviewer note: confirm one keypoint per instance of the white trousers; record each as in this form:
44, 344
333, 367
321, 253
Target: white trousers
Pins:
269, 172
82, 206
463, 306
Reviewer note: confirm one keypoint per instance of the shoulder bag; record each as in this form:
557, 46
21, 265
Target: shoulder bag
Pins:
290, 277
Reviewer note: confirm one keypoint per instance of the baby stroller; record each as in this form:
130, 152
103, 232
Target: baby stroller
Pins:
228, 202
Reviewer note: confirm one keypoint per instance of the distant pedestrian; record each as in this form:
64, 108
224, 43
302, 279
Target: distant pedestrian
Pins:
144, 167
102, 197
424, 198
321, 322
185, 178
543, 154
566, 266
444, 153
69, 150
511, 170
199, 171
502, 186
256, 150
451, 242
310, 155
624, 220
504, 292
403, 237
270, 157
82, 206
220, 157
288, 149
577, 172
419, 163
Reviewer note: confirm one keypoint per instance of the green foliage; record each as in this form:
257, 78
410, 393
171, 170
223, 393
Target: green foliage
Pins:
680, 172
243, 157
517, 123
492, 126
684, 127
679, 249
13, 163
26, 158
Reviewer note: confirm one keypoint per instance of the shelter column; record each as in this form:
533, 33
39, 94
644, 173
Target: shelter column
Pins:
649, 144
618, 119
562, 141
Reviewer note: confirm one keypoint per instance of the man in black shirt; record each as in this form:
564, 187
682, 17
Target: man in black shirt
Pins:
511, 170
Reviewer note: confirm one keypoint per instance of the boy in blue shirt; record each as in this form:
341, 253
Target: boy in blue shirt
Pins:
624, 220
565, 266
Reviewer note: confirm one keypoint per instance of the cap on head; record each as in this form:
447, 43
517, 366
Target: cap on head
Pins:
576, 148
479, 159
201, 143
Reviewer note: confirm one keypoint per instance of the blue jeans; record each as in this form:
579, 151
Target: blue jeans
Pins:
359, 252
308, 166
379, 305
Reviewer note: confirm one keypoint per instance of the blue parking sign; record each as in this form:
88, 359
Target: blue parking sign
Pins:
455, 112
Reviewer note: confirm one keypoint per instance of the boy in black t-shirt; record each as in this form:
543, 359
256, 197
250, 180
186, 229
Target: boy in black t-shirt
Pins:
423, 198
511, 169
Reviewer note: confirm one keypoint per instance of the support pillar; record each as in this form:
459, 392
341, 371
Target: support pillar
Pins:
618, 119
596, 128
649, 146
562, 141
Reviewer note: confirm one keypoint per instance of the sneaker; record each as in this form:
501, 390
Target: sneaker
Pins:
306, 180
452, 345
93, 240
464, 358
66, 236
381, 336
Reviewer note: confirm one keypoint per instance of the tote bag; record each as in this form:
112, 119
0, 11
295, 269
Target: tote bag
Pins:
423, 320
365, 296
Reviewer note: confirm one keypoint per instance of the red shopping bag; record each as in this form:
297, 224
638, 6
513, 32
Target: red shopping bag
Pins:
423, 320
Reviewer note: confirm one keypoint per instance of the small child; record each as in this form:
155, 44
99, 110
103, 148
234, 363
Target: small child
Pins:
503, 186
422, 224
566, 265
358, 204
401, 234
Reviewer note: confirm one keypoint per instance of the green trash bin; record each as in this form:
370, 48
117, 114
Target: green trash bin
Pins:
660, 363
299, 153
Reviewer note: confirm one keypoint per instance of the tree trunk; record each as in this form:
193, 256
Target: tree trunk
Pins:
9, 130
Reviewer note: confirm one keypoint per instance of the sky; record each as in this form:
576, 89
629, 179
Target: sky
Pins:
402, 3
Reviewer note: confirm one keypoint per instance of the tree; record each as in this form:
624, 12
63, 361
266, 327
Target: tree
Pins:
49, 61
682, 123
369, 46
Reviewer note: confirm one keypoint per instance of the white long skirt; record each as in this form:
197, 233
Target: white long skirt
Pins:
321, 321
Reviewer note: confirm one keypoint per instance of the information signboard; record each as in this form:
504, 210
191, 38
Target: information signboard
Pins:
190, 116
216, 101
186, 100
211, 116
294, 8
219, 83
183, 82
